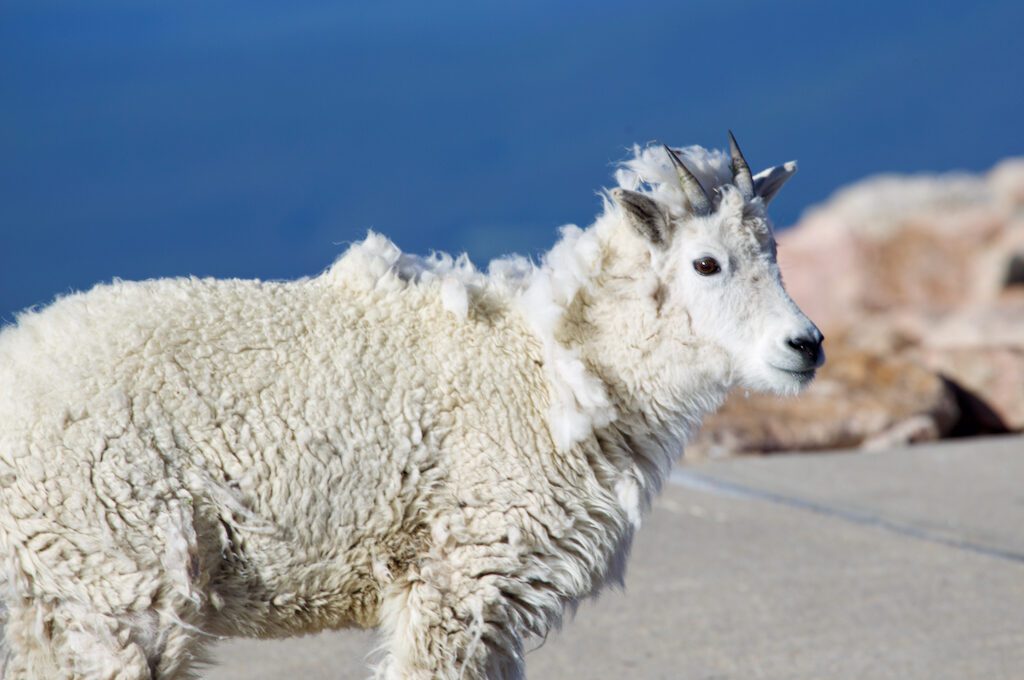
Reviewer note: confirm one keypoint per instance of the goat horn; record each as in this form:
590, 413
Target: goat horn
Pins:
695, 193
741, 176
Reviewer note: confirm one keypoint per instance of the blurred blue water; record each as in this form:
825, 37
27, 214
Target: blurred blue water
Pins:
142, 138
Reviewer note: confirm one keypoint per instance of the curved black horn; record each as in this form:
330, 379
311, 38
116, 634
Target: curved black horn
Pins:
699, 200
741, 176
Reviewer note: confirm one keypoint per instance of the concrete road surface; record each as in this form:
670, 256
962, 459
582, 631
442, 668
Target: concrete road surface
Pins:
902, 564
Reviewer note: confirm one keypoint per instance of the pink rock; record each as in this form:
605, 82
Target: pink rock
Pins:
891, 242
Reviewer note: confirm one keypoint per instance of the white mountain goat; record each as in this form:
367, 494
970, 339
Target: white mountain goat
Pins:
454, 457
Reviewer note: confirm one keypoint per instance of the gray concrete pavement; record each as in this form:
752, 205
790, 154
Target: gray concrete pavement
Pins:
903, 564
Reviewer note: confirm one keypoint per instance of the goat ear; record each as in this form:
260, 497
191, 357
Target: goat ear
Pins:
646, 216
768, 182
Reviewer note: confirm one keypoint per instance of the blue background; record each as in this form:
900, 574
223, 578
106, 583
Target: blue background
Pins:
255, 139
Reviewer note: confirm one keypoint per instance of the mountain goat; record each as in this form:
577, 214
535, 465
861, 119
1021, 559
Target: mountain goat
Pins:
404, 443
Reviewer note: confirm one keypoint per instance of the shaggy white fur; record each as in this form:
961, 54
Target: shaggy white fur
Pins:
401, 442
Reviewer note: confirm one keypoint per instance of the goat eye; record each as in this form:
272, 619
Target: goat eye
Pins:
706, 266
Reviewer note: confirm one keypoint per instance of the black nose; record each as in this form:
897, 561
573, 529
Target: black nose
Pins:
809, 347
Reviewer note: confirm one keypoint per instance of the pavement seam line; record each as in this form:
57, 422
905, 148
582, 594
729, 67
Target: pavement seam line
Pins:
710, 484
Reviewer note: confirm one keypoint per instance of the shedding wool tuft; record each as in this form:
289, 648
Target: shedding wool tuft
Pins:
542, 294
579, 402
651, 171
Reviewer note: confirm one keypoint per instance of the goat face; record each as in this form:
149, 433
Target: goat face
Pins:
715, 253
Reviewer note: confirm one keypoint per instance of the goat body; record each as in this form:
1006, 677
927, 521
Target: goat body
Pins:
451, 456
